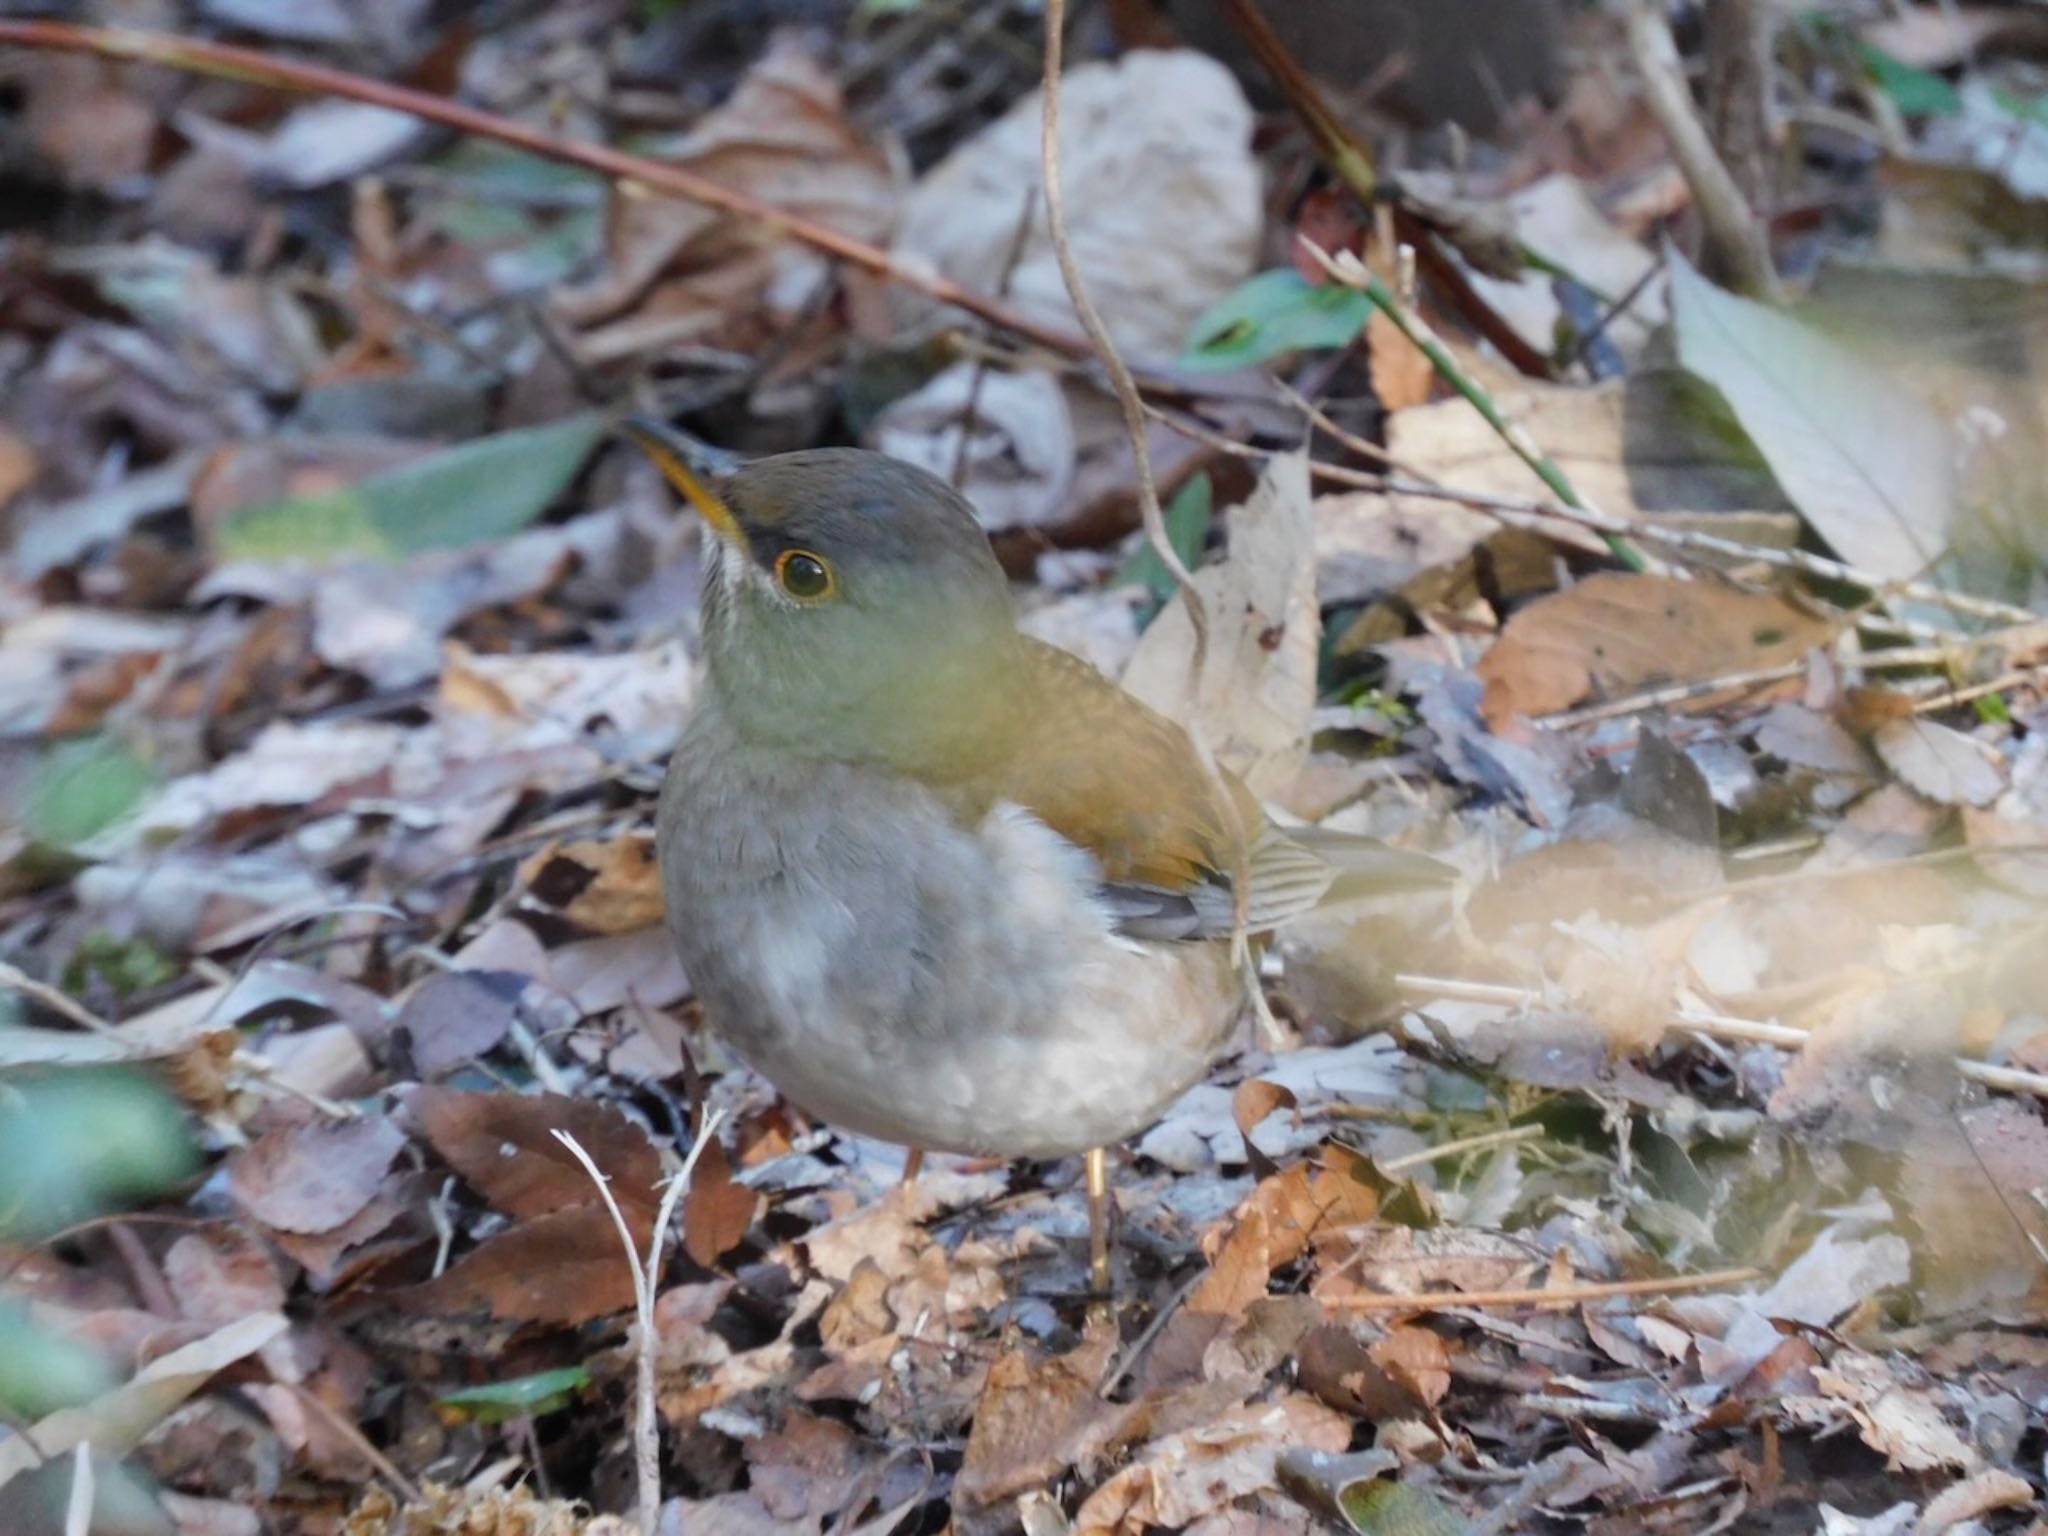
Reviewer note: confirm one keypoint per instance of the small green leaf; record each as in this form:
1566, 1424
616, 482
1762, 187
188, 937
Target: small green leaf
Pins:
1273, 313
521, 1397
76, 1142
1914, 91
1383, 1507
81, 787
2028, 110
41, 1371
1187, 528
1993, 710
464, 495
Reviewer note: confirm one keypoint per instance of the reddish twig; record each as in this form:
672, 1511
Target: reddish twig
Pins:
225, 61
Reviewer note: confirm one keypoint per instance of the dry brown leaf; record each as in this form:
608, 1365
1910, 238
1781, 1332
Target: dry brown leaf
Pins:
88, 118
504, 1145
604, 886
18, 466
1417, 1360
718, 1209
1402, 374
1254, 1099
1973, 1496
312, 1178
1274, 1226
1180, 1478
1619, 632
782, 136
1899, 1421
1037, 1417
221, 1276
1338, 1367
566, 1267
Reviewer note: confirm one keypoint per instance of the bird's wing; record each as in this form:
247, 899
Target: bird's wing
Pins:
1123, 782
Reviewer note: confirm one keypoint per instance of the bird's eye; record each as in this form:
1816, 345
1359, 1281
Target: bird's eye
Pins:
803, 575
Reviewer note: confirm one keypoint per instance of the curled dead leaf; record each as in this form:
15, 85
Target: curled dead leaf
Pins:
1617, 632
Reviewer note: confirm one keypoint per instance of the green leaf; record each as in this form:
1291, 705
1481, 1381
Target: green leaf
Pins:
1273, 313
81, 787
41, 1371
464, 495
1382, 1507
521, 1397
2028, 110
1187, 529
76, 1142
1914, 91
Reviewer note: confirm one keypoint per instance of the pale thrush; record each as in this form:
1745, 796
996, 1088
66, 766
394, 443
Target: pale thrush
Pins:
940, 882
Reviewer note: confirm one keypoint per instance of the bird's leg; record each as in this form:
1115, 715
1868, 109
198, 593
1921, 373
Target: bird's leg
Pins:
913, 1165
1098, 1221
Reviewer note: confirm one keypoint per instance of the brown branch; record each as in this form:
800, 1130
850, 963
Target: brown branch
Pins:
225, 61
1538, 1296
1738, 249
1347, 157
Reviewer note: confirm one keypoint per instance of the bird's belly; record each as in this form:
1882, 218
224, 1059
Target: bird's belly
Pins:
1141, 1028
954, 988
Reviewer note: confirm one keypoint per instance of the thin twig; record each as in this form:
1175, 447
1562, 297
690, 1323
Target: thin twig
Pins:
2000, 684
1019, 238
1539, 1296
1720, 1026
1477, 1143
1347, 157
250, 66
646, 1420
1734, 236
1149, 510
13, 979
381, 1464
1898, 658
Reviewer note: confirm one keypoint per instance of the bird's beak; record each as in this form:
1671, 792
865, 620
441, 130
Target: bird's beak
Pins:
691, 467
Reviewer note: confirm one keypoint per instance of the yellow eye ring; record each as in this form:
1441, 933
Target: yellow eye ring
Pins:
805, 576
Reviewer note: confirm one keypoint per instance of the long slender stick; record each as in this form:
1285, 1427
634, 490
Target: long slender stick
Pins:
1154, 519
225, 61
646, 1420
1537, 1296
1733, 232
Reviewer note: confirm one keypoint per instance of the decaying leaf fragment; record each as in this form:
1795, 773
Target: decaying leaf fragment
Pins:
1617, 632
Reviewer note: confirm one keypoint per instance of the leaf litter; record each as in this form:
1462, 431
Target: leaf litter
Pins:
342, 650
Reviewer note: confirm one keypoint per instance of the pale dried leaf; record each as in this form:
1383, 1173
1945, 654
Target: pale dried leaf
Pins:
1162, 199
1943, 764
1258, 686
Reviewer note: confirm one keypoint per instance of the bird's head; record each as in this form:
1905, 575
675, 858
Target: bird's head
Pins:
852, 606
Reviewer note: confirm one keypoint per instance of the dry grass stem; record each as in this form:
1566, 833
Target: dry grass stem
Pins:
646, 1414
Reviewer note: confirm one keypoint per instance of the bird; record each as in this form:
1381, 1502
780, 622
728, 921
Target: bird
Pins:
942, 883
